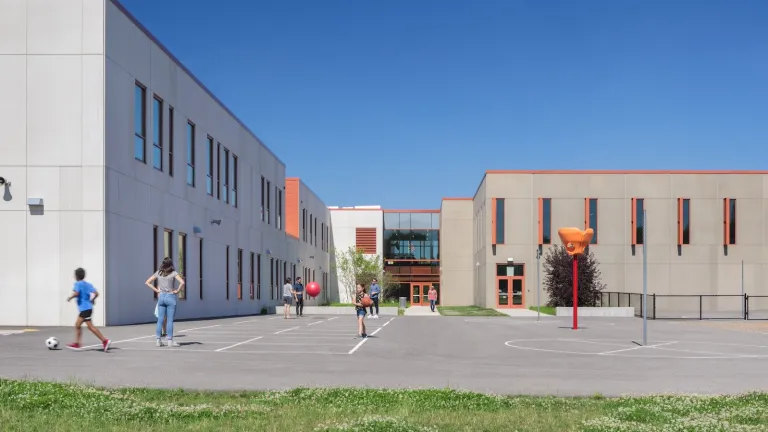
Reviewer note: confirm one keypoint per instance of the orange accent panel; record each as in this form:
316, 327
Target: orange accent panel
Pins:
292, 187
493, 221
575, 240
633, 223
541, 221
679, 221
365, 240
624, 172
726, 221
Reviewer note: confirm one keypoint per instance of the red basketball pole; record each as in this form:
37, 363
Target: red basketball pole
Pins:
575, 292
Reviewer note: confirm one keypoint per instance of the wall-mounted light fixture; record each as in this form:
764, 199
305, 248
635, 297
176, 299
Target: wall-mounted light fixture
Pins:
216, 221
269, 251
33, 202
196, 230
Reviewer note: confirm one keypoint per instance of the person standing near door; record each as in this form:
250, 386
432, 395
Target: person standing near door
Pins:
432, 294
375, 291
298, 289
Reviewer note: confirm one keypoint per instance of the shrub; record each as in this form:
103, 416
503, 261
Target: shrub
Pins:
558, 278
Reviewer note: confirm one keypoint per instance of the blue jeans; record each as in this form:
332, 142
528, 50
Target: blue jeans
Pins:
166, 305
432, 305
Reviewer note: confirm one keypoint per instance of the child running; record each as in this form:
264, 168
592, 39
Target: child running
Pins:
86, 295
360, 311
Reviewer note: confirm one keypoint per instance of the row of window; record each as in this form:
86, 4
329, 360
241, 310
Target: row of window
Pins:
278, 269
226, 177
636, 222
307, 219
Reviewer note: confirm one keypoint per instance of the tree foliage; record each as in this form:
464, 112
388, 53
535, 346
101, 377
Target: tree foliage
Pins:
558, 278
352, 266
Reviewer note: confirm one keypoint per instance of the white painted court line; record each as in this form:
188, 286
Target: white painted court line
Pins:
286, 330
359, 344
637, 347
144, 337
238, 344
320, 322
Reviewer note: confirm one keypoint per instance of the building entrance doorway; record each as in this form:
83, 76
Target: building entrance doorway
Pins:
420, 293
510, 286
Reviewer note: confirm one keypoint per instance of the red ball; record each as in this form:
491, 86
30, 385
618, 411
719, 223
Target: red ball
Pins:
313, 289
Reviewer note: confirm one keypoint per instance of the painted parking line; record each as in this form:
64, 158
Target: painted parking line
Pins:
144, 337
352, 351
238, 344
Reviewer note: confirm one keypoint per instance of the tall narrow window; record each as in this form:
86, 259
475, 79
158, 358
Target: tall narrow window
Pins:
280, 209
253, 256
226, 272
157, 133
170, 140
285, 271
729, 230
209, 167
638, 223
262, 198
497, 221
182, 264
155, 260
218, 170
268, 201
545, 221
200, 268
272, 278
277, 207
310, 228
140, 122
313, 276
684, 216
190, 154
225, 169
322, 236
293, 272
304, 224
239, 274
590, 217
234, 181
168, 244
258, 277
315, 232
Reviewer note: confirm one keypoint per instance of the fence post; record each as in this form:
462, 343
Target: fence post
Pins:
746, 307
654, 306
700, 306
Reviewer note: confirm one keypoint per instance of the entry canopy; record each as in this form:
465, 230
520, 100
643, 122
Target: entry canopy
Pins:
575, 240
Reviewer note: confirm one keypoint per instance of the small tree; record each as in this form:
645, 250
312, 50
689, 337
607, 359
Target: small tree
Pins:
353, 266
558, 278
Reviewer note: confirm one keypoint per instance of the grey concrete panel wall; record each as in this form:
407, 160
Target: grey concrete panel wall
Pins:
701, 267
457, 267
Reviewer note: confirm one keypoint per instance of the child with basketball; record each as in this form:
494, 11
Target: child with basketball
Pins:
360, 310
86, 295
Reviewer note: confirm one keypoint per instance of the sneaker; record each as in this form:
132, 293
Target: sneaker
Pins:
375, 317
368, 316
172, 343
74, 346
365, 335
159, 343
106, 344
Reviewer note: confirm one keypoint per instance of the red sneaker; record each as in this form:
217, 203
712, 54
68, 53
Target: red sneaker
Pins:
106, 344
74, 346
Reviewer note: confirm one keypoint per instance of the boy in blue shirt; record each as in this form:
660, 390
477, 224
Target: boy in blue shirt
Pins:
86, 295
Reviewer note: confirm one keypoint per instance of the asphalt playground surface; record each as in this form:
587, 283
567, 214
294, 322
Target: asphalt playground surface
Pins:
488, 354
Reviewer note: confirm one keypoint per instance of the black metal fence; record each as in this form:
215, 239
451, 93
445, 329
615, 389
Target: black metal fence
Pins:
691, 306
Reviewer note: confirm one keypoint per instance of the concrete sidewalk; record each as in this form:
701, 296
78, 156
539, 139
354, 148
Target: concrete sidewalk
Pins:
421, 311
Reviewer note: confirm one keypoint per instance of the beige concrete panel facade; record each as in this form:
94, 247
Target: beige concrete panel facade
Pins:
456, 253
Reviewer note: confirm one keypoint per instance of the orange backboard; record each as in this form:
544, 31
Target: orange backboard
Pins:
575, 240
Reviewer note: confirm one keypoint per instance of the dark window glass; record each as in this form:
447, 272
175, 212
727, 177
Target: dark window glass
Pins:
157, 133
546, 220
191, 154
593, 218
732, 224
510, 270
140, 122
639, 221
686, 221
499, 220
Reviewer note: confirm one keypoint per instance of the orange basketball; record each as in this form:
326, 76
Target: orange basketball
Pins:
366, 301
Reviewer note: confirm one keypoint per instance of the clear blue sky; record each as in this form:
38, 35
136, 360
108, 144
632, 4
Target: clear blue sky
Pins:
402, 102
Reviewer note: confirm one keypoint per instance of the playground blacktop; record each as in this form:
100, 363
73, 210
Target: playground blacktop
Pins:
505, 355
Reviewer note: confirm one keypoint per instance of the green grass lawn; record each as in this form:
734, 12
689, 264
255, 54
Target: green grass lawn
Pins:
468, 311
544, 309
36, 406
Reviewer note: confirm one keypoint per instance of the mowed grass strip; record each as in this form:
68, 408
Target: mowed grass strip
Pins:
468, 311
546, 310
43, 406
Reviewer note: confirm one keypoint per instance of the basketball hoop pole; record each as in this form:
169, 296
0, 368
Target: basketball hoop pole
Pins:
575, 292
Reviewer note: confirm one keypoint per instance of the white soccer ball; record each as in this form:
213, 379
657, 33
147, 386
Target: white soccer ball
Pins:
52, 343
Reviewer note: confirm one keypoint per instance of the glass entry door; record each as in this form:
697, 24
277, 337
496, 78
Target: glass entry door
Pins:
510, 292
416, 296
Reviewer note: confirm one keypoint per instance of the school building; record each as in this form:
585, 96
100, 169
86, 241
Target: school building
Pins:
701, 226
115, 156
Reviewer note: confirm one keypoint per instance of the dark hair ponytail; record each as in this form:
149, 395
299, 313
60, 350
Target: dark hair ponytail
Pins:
166, 267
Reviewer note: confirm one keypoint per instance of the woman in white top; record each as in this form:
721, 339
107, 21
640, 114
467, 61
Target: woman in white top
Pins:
288, 294
166, 298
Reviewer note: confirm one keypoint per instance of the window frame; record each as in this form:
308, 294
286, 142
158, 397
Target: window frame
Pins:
587, 216
182, 263
191, 130
171, 116
157, 131
141, 134
638, 205
233, 186
210, 165
498, 228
